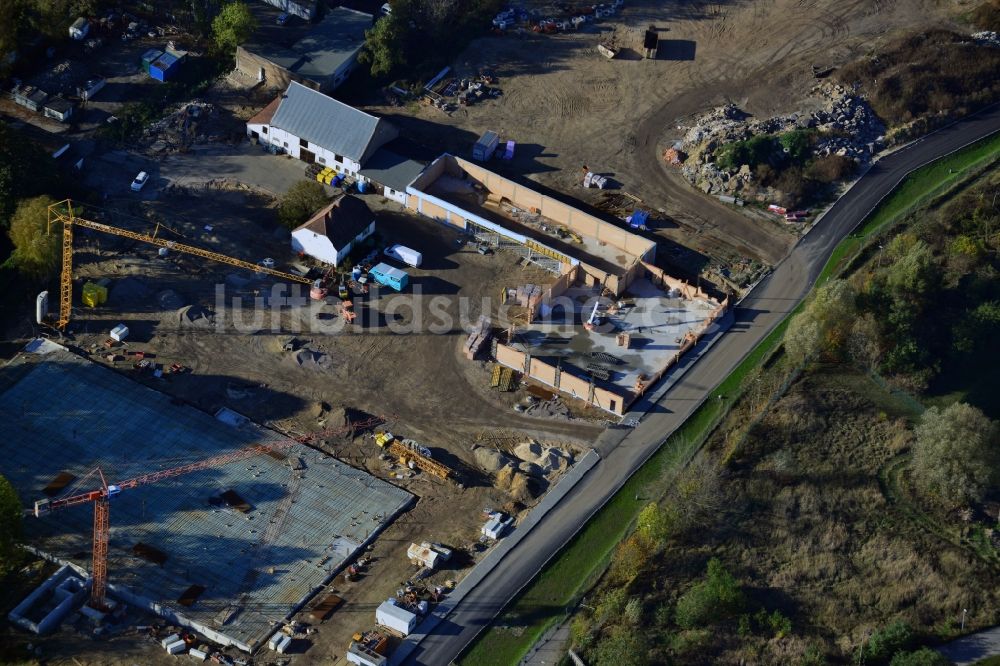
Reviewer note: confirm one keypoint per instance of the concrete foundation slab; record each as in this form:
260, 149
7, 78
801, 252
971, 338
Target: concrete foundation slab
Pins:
228, 573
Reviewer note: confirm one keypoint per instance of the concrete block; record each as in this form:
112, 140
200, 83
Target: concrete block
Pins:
284, 644
198, 654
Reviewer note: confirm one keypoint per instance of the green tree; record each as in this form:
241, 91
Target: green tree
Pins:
233, 26
36, 251
385, 43
10, 525
653, 524
955, 454
913, 271
824, 323
922, 657
300, 201
711, 600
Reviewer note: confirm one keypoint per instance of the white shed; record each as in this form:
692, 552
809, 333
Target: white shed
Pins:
332, 233
396, 619
79, 29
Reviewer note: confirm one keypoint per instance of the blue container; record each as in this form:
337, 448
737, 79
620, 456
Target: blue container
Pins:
337, 180
164, 67
362, 187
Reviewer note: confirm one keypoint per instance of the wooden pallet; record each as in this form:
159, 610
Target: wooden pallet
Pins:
495, 376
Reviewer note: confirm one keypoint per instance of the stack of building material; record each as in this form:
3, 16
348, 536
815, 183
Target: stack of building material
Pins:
479, 336
422, 555
528, 296
674, 157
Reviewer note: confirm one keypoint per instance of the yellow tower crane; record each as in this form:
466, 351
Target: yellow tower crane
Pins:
63, 212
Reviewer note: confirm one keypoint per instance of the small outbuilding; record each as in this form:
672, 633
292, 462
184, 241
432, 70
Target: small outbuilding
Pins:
331, 234
58, 108
30, 97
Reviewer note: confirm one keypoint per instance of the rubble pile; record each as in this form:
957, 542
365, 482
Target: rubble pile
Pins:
190, 123
845, 123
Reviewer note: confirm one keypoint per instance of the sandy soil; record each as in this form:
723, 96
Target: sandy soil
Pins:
421, 383
567, 106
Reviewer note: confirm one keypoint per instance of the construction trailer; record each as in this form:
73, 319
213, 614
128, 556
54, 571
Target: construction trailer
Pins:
387, 276
396, 619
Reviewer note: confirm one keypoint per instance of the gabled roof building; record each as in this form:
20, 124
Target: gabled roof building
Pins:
313, 127
321, 60
331, 234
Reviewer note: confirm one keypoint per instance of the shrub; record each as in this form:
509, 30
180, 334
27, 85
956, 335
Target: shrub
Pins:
711, 600
797, 144
922, 657
886, 642
830, 168
623, 646
759, 149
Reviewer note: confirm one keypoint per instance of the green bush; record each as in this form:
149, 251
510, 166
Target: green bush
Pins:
300, 202
922, 657
711, 600
886, 642
759, 149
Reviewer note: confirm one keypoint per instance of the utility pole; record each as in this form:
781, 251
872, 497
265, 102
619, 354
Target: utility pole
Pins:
965, 611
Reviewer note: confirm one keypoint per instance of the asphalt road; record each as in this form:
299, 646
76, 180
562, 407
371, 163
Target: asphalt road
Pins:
754, 319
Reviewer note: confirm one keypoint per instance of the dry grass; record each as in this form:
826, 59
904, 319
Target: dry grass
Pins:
807, 530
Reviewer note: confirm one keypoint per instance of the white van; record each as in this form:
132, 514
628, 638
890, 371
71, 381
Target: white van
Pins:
408, 256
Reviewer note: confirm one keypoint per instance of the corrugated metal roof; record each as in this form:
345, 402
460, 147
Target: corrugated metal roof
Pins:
335, 126
329, 46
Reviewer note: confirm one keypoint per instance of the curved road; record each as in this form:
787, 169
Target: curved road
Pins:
768, 304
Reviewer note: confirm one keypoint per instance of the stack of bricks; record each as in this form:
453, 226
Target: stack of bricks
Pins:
479, 336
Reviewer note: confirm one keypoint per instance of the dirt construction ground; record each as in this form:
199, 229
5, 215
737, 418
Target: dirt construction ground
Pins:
567, 106
421, 382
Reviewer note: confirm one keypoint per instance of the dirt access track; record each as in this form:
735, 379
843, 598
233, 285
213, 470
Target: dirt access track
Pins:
567, 106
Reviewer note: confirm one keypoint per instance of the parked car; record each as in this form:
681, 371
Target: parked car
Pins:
140, 181
282, 19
